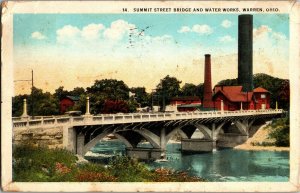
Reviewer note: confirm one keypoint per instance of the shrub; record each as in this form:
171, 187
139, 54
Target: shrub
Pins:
280, 131
32, 163
129, 170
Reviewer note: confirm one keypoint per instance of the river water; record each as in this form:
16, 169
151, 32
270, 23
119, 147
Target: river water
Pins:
227, 165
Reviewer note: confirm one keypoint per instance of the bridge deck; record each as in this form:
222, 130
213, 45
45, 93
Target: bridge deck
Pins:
135, 118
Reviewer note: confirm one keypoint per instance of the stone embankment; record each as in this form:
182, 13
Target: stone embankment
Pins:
45, 137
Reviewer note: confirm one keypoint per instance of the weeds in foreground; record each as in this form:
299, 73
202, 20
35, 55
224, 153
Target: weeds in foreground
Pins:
38, 164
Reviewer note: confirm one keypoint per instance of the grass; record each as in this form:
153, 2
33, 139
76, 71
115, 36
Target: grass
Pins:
39, 164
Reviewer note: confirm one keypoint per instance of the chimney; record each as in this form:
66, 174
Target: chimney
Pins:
207, 98
245, 56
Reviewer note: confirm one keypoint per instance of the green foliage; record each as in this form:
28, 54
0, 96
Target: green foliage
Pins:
38, 164
110, 89
141, 96
228, 82
264, 143
167, 88
190, 89
43, 103
280, 131
129, 170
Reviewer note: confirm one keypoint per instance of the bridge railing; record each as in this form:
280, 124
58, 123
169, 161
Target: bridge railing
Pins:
134, 117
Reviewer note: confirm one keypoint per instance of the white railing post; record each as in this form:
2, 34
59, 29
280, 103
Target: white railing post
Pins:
24, 115
87, 112
222, 107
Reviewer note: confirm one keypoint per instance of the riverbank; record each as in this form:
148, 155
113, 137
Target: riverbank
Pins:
40, 164
260, 141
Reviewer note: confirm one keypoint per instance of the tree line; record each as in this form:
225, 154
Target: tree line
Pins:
113, 96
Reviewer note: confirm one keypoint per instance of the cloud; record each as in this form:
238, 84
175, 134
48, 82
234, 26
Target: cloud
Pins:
184, 29
265, 33
163, 38
67, 33
118, 29
226, 23
226, 39
92, 31
200, 29
38, 35
278, 36
262, 30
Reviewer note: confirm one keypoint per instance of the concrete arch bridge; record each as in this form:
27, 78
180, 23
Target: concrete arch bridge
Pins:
220, 129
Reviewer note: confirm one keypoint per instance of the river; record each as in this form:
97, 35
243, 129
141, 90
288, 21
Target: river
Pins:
226, 165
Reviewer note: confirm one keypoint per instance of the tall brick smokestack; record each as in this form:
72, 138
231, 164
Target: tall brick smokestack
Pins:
207, 98
245, 56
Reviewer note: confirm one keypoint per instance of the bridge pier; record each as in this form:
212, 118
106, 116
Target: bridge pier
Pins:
69, 138
80, 144
197, 145
230, 140
146, 153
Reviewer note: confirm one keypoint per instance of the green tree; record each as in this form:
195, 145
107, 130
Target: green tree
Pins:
39, 103
167, 88
228, 82
189, 89
60, 93
280, 131
110, 88
141, 96
77, 91
107, 89
43, 103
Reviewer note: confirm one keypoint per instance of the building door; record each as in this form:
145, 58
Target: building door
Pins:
263, 106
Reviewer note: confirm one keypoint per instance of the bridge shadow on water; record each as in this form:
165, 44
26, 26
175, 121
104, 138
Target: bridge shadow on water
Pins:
220, 165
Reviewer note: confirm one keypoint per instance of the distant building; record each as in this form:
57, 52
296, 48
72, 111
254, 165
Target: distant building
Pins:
187, 103
235, 99
67, 102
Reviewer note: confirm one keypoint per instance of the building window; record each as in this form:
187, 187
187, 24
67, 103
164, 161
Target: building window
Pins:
263, 96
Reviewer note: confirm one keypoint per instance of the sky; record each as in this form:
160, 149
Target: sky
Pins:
73, 50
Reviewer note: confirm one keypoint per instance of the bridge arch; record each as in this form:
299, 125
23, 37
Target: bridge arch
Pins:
95, 140
205, 131
153, 139
173, 132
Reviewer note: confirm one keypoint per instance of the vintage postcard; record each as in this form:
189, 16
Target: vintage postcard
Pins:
129, 96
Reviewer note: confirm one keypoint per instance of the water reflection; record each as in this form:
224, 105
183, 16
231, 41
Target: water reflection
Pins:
224, 165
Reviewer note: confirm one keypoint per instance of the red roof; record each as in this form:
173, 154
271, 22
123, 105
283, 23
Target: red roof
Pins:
260, 89
234, 93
